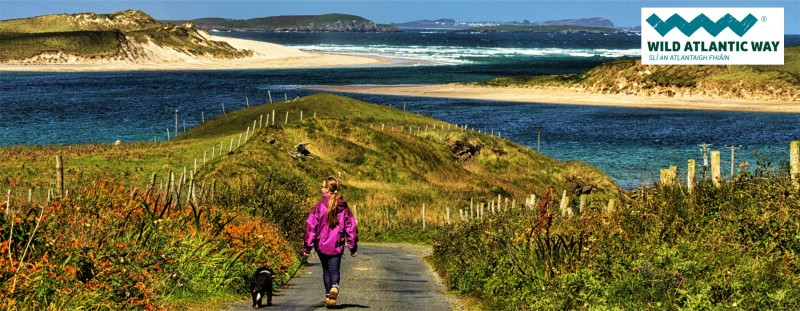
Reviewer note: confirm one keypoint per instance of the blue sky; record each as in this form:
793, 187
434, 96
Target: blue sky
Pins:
620, 12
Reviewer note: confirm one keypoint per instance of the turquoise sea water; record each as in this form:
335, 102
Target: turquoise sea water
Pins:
631, 145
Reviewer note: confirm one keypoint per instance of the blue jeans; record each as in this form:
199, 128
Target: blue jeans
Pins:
330, 270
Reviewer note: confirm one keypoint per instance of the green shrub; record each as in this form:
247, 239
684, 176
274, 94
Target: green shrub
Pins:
735, 246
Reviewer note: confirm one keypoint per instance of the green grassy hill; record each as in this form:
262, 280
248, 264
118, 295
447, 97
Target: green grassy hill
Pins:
124, 217
382, 167
325, 22
445, 167
629, 76
390, 169
88, 36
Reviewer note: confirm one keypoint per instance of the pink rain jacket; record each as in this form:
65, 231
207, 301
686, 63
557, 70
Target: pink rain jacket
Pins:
326, 240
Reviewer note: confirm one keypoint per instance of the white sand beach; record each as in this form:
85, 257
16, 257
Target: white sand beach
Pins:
568, 96
265, 56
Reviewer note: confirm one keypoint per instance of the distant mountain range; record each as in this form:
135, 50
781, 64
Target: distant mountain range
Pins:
589, 22
353, 23
304, 23
595, 23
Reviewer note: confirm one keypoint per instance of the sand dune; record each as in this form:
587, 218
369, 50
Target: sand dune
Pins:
569, 96
153, 57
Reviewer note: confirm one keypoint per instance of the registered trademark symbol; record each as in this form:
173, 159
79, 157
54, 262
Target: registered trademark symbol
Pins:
763, 18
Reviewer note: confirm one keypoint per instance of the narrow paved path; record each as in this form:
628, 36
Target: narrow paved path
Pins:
381, 277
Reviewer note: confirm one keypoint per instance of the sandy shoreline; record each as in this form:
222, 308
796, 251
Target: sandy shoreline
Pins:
266, 56
567, 96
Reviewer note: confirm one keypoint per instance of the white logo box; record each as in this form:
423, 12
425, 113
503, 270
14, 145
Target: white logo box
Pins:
761, 44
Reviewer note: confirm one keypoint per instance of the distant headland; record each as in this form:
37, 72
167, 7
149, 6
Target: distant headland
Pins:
579, 25
133, 40
299, 23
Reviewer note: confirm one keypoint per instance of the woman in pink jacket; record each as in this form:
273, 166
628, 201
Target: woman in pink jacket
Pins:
330, 226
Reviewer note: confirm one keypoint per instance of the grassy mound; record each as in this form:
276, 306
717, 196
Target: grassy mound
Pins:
629, 76
116, 36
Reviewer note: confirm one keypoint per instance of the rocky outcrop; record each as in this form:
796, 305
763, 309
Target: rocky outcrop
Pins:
463, 151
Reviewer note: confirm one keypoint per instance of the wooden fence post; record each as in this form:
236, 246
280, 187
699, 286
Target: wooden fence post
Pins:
539, 139
715, 168
269, 93
60, 175
669, 175
287, 118
183, 180
447, 208
533, 201
565, 204
171, 182
176, 122
423, 216
387, 217
690, 175
273, 114
8, 203
470, 208
794, 160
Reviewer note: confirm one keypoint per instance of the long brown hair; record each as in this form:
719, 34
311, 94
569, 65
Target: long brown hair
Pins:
332, 184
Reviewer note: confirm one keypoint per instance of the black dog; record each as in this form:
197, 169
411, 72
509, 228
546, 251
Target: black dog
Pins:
261, 284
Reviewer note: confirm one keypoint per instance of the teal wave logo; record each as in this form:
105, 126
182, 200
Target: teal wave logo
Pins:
702, 21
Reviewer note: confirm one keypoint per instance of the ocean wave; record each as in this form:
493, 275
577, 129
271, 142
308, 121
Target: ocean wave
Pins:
463, 55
